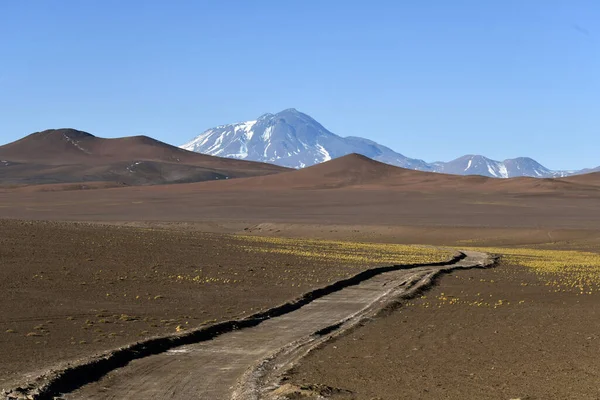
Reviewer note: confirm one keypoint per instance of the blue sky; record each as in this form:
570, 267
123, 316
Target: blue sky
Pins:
430, 79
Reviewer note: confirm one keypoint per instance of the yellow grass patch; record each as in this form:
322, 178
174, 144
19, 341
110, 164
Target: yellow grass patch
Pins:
344, 252
563, 270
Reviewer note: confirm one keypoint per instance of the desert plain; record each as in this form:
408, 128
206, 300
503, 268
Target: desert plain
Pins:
88, 266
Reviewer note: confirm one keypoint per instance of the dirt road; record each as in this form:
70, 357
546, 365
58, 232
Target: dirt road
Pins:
246, 364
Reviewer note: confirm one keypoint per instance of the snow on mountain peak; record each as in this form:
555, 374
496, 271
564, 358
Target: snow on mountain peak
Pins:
246, 128
291, 138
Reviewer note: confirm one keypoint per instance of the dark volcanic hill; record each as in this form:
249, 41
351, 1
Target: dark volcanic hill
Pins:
68, 155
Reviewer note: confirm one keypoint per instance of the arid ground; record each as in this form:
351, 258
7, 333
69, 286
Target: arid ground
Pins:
166, 258
73, 289
501, 333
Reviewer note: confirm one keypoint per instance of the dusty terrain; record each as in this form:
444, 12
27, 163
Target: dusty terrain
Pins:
71, 289
496, 334
373, 195
220, 368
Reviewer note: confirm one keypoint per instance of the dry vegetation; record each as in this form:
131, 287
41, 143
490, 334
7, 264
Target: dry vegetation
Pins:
73, 289
562, 270
352, 253
524, 329
570, 271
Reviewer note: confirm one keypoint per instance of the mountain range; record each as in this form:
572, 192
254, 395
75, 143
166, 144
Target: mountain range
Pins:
61, 156
355, 171
293, 139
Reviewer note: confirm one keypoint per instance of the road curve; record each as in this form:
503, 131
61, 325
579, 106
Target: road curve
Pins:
246, 363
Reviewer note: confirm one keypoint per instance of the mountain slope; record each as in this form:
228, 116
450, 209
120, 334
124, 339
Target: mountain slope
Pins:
351, 170
68, 155
293, 139
587, 171
480, 165
590, 178
289, 138
357, 172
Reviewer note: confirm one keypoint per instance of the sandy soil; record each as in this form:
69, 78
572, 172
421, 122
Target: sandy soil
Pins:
349, 190
70, 290
325, 207
536, 345
212, 369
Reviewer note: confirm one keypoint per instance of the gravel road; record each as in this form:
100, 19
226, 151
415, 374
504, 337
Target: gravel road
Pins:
246, 363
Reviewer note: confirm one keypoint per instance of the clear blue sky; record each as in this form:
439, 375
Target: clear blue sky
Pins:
430, 79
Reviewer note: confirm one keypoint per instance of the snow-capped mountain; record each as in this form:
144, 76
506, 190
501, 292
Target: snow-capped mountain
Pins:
480, 165
293, 139
290, 139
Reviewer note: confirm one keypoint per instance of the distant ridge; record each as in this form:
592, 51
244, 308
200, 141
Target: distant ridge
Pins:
60, 145
592, 178
59, 156
293, 139
356, 171
352, 170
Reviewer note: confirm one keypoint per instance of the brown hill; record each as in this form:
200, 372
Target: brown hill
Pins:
355, 171
350, 170
352, 190
591, 179
543, 185
68, 155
